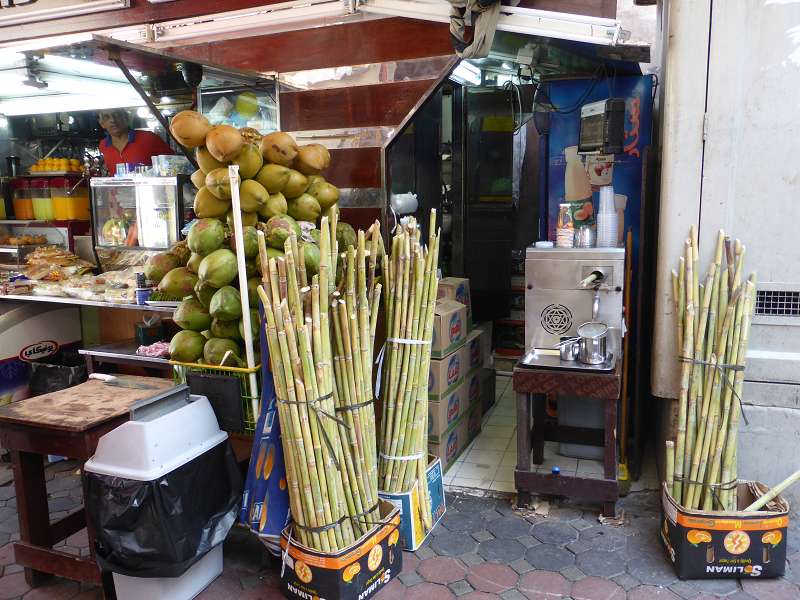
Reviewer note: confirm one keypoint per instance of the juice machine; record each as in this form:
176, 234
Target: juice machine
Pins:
566, 287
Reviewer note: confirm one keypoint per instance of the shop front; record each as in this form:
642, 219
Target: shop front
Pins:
375, 314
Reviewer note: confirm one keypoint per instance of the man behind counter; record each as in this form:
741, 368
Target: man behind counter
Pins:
125, 145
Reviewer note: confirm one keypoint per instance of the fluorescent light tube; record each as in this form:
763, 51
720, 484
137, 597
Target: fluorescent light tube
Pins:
60, 12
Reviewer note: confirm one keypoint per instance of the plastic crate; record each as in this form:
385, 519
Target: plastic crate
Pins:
247, 397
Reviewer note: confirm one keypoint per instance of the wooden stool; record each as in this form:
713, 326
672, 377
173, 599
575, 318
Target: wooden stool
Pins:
532, 386
66, 423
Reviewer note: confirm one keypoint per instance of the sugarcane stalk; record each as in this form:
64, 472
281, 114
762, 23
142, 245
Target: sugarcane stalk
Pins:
696, 454
684, 442
774, 492
681, 300
670, 466
728, 466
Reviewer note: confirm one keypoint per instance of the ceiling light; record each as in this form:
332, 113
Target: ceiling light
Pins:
506, 66
143, 112
467, 73
51, 103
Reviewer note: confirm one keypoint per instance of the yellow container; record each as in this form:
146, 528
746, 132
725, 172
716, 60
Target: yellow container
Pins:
71, 208
43, 209
23, 209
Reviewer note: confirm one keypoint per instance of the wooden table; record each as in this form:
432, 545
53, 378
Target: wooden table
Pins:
66, 423
532, 386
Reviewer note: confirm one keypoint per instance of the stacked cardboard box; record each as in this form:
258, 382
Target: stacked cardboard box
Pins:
454, 384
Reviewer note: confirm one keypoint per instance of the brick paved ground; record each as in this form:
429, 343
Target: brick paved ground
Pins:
482, 550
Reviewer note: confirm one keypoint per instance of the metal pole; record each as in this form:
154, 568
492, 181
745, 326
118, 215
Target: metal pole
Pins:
151, 105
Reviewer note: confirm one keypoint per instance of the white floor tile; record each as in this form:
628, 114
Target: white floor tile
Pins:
489, 458
501, 383
509, 458
503, 486
491, 443
502, 420
477, 470
562, 462
504, 474
466, 482
493, 431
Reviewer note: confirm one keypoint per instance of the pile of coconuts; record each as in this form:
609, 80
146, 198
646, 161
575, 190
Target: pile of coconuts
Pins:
282, 191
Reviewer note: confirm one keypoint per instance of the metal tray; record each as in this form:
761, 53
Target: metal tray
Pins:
540, 360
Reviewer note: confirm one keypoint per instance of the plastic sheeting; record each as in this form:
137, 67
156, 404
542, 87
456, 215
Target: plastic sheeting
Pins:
161, 528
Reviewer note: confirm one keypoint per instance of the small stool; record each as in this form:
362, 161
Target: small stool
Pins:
67, 423
532, 386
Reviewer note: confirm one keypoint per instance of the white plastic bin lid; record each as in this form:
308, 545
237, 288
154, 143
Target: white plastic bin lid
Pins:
147, 449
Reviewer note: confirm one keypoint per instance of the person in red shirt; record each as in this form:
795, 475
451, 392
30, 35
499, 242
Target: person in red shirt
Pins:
125, 145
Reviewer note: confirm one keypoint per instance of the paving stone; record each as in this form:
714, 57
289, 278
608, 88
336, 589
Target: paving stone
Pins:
528, 541
491, 514
513, 595
549, 557
650, 592
740, 595
453, 544
572, 573
509, 527
578, 546
410, 562
772, 589
15, 568
7, 492
12, 586
482, 535
63, 483
595, 588
463, 522
10, 525
6, 555
471, 559
442, 569
521, 566
425, 552
602, 563
460, 588
58, 504
480, 596
538, 585
652, 570
249, 581
603, 538
565, 513
492, 578
410, 579
554, 532
582, 523
685, 589
505, 508
429, 591
647, 503
473, 505
720, 587
626, 581
394, 590
504, 551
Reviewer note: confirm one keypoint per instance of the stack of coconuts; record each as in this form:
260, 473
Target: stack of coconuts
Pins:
281, 192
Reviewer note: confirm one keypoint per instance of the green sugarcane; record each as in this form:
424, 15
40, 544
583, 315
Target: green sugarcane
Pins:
728, 466
669, 459
695, 273
773, 493
681, 300
696, 454
684, 442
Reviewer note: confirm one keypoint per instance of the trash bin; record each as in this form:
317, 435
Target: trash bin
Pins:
56, 373
162, 491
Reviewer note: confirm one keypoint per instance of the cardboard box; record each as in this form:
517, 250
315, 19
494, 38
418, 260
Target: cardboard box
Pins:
446, 374
725, 545
444, 413
449, 327
450, 447
357, 572
412, 529
457, 288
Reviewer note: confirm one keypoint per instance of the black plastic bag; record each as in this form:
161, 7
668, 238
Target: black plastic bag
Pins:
161, 528
57, 373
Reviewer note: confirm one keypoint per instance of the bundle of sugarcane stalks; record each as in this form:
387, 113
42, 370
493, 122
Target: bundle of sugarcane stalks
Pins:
410, 275
713, 327
320, 341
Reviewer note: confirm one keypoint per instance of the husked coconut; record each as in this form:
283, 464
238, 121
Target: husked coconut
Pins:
279, 148
224, 142
190, 128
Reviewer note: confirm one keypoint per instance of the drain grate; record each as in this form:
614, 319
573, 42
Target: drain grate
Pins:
776, 303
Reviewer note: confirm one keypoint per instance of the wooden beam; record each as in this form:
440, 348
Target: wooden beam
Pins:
338, 45
355, 167
140, 11
358, 106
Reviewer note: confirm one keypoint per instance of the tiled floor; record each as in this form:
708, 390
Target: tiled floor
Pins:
488, 462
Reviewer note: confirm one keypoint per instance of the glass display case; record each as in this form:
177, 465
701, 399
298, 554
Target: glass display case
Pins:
239, 105
135, 217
